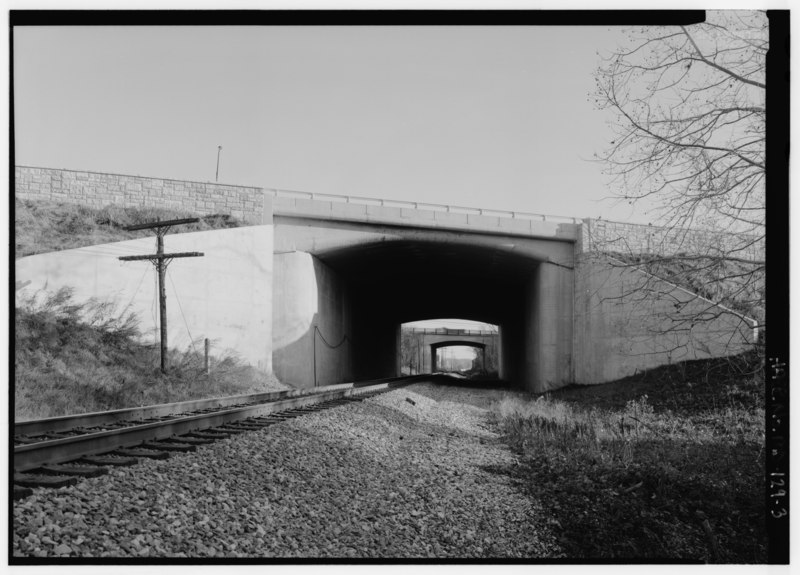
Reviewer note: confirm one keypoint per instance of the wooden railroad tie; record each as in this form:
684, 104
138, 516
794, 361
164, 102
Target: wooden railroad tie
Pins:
71, 469
159, 446
148, 453
112, 461
35, 480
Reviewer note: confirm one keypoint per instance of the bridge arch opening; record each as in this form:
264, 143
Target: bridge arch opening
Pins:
374, 279
458, 357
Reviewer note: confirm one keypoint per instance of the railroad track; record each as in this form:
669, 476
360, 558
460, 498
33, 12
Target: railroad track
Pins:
59, 451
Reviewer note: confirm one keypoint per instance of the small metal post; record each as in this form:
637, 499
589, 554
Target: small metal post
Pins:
314, 351
219, 149
207, 363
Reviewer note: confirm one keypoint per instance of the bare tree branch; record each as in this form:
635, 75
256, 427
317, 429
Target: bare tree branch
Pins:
690, 117
717, 66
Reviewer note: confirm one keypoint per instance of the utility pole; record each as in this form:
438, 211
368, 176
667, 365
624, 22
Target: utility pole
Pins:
219, 149
161, 261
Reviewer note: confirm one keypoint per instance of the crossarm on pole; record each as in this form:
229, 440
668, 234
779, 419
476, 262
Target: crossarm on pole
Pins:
162, 256
165, 223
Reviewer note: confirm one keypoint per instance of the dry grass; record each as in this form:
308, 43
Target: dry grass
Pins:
46, 227
623, 477
81, 357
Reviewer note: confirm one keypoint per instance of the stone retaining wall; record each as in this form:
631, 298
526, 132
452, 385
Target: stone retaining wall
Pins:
606, 236
251, 205
97, 189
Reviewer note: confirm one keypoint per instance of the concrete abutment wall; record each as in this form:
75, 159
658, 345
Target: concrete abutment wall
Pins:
312, 338
548, 321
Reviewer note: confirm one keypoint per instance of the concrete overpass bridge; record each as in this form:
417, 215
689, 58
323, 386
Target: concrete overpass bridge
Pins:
324, 282
376, 267
565, 314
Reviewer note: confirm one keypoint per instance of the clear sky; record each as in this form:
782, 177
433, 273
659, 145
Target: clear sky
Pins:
477, 116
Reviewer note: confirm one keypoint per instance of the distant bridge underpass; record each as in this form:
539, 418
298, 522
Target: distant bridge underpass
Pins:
427, 341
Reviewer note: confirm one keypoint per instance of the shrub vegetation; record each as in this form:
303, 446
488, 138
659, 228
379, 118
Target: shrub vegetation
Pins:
667, 465
81, 357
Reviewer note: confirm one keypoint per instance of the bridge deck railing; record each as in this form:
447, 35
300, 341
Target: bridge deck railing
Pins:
422, 206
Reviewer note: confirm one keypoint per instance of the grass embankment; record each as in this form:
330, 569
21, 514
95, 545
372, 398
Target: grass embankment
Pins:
83, 357
46, 226
668, 465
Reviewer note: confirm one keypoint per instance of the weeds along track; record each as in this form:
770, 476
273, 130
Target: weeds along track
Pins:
58, 451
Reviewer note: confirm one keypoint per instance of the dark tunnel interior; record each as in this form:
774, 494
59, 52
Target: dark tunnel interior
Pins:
402, 281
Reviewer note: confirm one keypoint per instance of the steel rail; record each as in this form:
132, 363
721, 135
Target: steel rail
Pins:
31, 456
94, 419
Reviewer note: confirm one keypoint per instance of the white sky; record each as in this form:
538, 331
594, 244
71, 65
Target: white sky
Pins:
477, 116
451, 323
458, 352
493, 117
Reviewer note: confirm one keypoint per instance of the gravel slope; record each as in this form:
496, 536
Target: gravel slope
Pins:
381, 478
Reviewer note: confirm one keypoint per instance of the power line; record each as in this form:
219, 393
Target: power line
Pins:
180, 307
135, 292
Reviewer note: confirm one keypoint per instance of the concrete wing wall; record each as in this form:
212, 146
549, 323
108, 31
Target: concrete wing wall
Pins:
225, 296
621, 328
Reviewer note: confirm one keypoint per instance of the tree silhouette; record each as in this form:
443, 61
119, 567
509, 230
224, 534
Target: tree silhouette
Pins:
688, 104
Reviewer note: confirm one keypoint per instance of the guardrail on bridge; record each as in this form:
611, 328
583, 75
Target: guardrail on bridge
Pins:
421, 206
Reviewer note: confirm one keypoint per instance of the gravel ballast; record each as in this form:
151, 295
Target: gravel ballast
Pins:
399, 475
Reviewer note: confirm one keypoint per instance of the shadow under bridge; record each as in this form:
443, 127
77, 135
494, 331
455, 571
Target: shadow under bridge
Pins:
357, 297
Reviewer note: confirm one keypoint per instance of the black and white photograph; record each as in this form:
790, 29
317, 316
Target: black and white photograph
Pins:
388, 286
